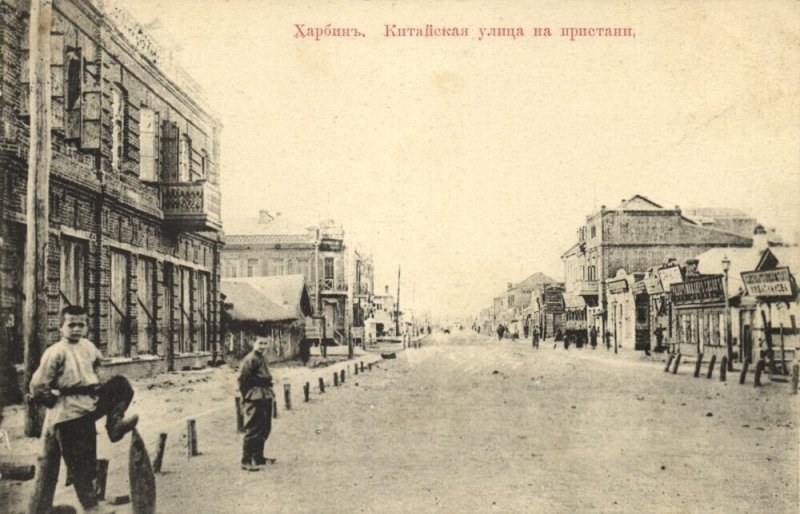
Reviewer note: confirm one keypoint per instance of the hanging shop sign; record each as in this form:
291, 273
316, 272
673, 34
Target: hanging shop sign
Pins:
653, 284
703, 290
669, 276
553, 300
617, 286
772, 283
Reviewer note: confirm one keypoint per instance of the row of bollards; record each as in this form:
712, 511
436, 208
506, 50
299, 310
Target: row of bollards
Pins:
674, 361
338, 378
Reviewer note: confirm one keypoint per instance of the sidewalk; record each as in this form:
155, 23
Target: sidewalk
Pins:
164, 404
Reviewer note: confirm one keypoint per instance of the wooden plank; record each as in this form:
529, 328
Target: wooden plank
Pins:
141, 477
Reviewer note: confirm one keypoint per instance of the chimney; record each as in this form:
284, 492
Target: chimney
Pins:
760, 240
510, 286
264, 216
691, 268
387, 290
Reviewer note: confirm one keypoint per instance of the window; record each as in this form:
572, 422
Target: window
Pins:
118, 328
203, 164
252, 267
276, 267
145, 305
201, 318
148, 137
185, 328
118, 126
185, 158
290, 266
72, 288
593, 231
328, 273
304, 268
74, 90
231, 268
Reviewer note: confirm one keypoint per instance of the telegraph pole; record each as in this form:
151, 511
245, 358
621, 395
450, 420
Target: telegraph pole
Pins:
34, 319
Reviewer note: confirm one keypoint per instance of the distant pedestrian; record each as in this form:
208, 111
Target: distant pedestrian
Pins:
593, 337
499, 332
659, 333
255, 385
536, 337
608, 340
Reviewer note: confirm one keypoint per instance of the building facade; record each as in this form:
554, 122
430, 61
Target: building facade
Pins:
134, 202
271, 246
635, 236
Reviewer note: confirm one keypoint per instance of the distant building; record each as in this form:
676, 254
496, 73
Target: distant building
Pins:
634, 236
339, 278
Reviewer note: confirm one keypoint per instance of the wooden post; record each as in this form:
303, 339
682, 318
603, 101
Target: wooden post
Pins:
239, 415
743, 376
47, 467
274, 408
362, 366
711, 366
795, 377
677, 363
698, 364
335, 379
34, 316
355, 368
341, 378
321, 385
370, 366
102, 475
768, 338
784, 370
759, 369
723, 368
287, 395
191, 438
306, 390
669, 362
162, 443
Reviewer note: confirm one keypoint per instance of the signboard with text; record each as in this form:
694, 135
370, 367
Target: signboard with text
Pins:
702, 290
617, 286
554, 300
653, 284
669, 276
772, 283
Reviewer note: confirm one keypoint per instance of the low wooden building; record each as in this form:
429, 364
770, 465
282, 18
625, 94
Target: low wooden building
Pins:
274, 308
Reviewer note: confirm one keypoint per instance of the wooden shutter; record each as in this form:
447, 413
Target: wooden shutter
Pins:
24, 74
170, 151
147, 144
118, 328
91, 100
57, 81
145, 275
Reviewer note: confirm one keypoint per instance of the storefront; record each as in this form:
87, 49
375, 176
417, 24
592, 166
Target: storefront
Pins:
699, 316
621, 310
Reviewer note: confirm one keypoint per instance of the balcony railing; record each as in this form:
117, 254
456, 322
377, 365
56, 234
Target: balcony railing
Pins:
191, 206
330, 286
588, 288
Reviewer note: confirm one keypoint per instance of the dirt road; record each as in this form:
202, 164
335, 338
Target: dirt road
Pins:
469, 424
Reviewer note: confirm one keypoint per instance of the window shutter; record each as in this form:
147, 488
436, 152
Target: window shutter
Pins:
57, 81
91, 96
147, 140
169, 151
24, 77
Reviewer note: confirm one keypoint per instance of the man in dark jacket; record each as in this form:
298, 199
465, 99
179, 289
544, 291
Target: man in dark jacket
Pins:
255, 384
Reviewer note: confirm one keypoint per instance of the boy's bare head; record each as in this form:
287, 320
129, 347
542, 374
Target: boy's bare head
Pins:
74, 323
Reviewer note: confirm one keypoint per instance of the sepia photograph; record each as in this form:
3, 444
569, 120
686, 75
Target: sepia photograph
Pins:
513, 256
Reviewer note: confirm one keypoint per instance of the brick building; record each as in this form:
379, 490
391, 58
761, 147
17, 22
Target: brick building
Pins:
633, 237
339, 278
134, 203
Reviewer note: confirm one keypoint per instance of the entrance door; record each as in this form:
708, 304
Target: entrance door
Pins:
330, 320
746, 334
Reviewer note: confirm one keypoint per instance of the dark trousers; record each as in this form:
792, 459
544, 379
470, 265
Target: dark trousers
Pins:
77, 438
257, 426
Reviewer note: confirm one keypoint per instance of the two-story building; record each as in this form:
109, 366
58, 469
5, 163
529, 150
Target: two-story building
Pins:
134, 202
634, 237
272, 245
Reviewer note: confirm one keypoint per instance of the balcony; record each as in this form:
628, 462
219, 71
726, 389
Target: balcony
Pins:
191, 206
588, 288
328, 286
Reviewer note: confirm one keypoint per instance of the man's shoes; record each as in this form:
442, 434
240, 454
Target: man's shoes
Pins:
266, 461
119, 426
250, 467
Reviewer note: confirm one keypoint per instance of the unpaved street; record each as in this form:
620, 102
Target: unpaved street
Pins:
470, 424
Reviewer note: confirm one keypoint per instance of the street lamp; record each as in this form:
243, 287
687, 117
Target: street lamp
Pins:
726, 266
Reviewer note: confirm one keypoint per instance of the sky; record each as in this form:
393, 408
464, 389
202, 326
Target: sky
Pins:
471, 163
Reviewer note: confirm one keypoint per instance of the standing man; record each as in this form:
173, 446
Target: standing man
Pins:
67, 383
593, 337
255, 384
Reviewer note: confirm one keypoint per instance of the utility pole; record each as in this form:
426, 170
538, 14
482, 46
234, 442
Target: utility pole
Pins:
397, 305
34, 319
